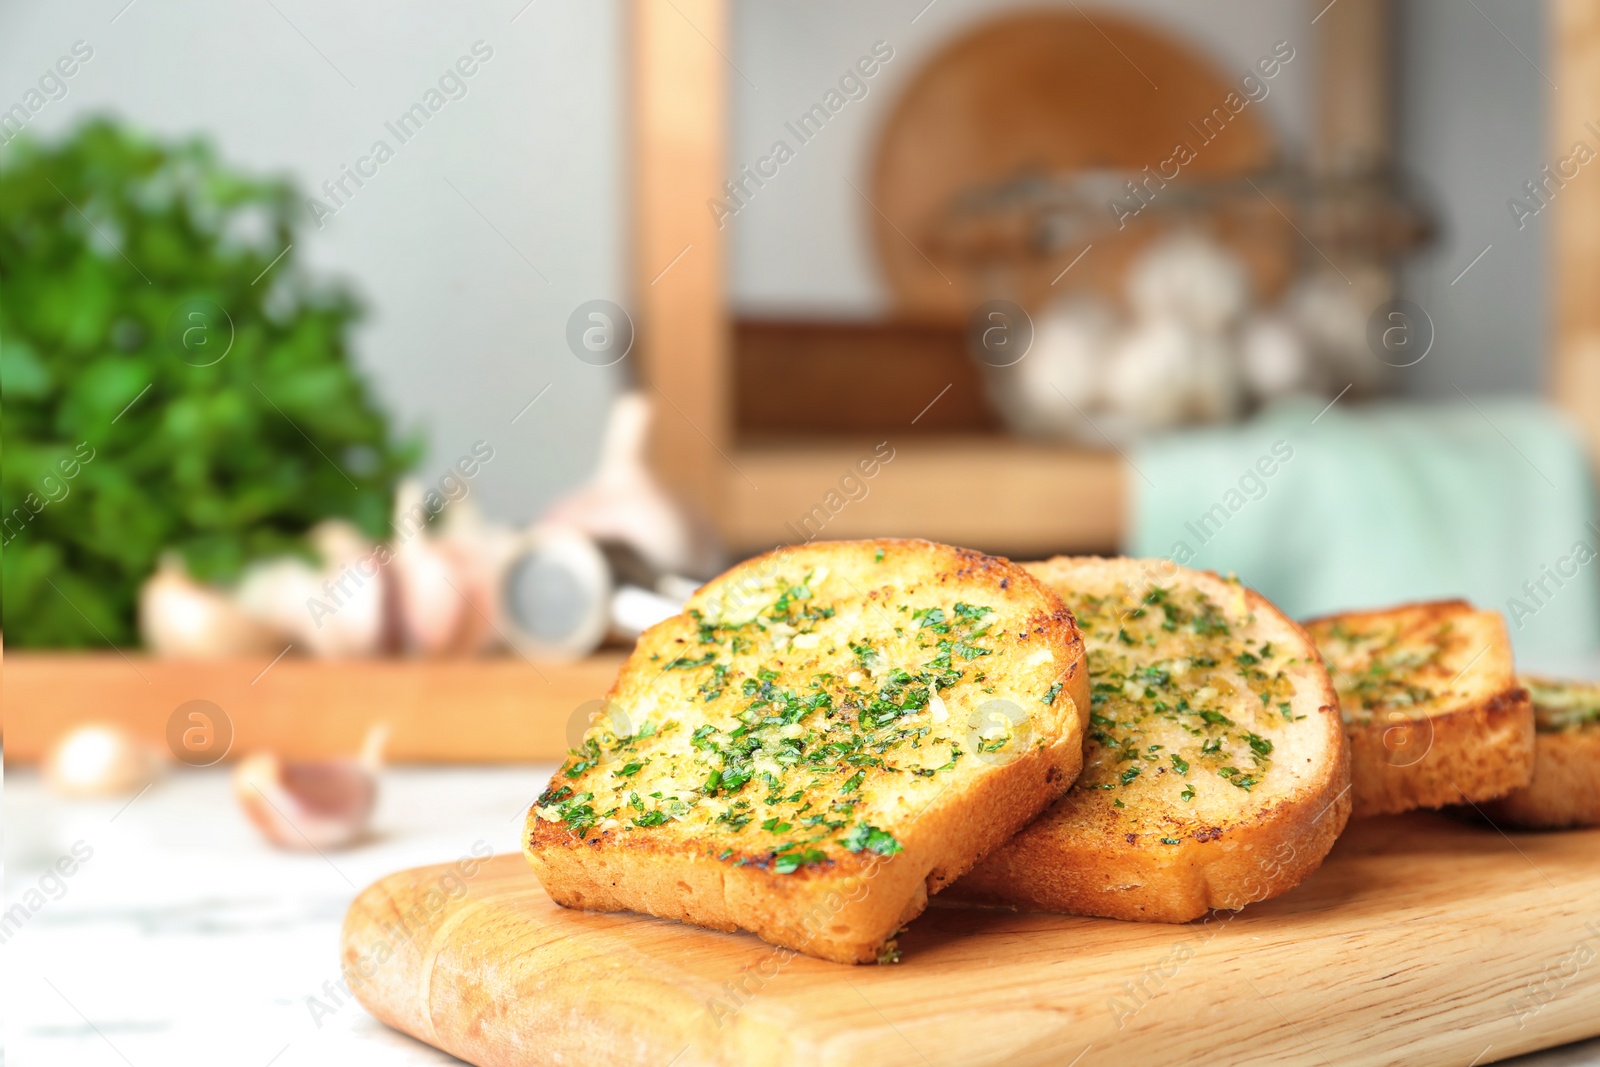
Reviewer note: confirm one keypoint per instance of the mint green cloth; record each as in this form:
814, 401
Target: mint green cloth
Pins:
1367, 506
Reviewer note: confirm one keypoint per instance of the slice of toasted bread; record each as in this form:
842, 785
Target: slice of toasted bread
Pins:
1431, 705
1215, 773
824, 737
1565, 791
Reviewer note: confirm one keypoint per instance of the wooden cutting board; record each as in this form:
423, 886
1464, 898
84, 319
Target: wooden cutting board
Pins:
1053, 90
1421, 940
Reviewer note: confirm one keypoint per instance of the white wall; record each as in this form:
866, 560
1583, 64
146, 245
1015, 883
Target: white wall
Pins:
462, 331
1472, 128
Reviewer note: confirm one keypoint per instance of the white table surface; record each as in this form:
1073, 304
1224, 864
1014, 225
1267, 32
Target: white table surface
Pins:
185, 939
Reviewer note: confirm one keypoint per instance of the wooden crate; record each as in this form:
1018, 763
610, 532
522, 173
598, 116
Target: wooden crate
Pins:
492, 710
992, 493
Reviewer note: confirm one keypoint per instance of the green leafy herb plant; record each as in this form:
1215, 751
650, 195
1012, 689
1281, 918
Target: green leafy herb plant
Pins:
155, 316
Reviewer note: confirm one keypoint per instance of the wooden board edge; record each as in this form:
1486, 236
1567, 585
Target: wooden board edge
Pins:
1492, 980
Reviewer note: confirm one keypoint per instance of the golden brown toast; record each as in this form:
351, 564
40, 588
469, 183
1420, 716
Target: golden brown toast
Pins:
826, 735
1431, 705
1565, 791
1215, 773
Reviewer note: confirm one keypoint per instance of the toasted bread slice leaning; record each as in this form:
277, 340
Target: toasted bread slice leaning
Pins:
824, 737
1215, 773
1431, 705
1566, 760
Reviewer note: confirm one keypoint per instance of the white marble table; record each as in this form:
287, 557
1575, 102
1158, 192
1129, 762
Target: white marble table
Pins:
184, 939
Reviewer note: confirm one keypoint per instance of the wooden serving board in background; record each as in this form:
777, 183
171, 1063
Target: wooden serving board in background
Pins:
1421, 940
1052, 91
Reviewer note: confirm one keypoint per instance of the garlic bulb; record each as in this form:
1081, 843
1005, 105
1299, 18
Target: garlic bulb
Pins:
275, 593
1274, 357
1151, 378
480, 552
1190, 278
181, 618
1054, 390
1331, 311
338, 610
432, 605
98, 761
311, 804
1216, 393
624, 501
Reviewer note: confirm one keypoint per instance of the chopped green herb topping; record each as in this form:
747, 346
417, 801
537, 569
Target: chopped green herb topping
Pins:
801, 726
870, 838
1164, 662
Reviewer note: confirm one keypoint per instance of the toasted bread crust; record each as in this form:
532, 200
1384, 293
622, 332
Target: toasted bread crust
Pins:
1460, 729
846, 912
1475, 754
1565, 791
847, 906
1080, 858
1142, 881
1566, 786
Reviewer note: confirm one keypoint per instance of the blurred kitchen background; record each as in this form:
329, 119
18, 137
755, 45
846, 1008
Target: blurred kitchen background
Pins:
321, 450
468, 342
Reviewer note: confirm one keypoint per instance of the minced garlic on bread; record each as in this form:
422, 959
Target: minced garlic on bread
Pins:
824, 737
1431, 704
1215, 775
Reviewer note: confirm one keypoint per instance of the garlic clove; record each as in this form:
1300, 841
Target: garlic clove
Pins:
181, 618
311, 804
100, 761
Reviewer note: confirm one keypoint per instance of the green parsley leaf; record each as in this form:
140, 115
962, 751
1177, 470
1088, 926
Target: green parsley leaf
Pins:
864, 836
789, 862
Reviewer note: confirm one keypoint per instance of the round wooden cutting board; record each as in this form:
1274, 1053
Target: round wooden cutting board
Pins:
1047, 92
